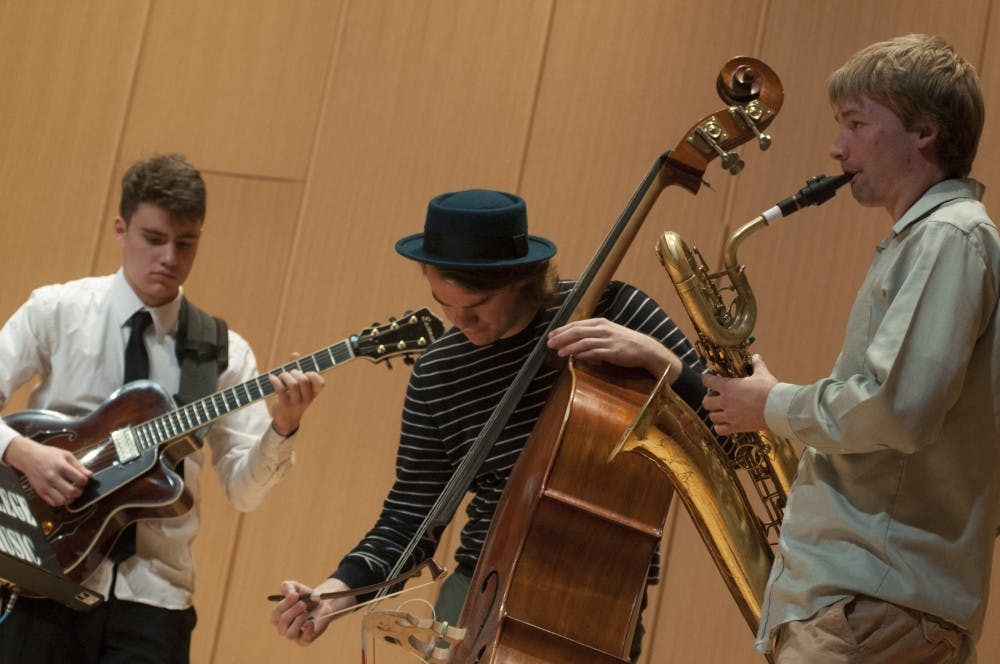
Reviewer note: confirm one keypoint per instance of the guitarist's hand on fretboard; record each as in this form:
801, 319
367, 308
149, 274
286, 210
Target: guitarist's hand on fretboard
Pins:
295, 390
55, 474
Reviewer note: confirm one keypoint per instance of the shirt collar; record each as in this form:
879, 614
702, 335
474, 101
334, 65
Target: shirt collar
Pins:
935, 197
125, 302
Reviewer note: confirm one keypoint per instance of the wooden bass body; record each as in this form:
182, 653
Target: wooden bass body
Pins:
565, 564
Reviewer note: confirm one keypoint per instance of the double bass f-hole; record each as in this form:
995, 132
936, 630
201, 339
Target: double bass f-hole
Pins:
489, 595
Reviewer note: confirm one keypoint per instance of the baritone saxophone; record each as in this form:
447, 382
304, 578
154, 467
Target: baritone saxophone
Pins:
709, 472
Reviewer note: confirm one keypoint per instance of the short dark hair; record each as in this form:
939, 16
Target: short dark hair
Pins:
923, 81
167, 181
540, 280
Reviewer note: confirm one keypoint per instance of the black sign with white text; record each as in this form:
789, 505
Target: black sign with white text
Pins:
26, 558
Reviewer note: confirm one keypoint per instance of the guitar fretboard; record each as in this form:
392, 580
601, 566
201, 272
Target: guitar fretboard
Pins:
198, 413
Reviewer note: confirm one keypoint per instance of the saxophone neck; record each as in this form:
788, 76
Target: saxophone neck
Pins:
730, 263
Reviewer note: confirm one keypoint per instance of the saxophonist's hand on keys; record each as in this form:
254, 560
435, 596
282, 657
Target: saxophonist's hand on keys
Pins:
736, 405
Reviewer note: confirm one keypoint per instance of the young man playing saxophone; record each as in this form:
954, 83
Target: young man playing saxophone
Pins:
887, 540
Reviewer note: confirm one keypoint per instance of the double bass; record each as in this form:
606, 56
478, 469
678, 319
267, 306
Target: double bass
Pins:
563, 570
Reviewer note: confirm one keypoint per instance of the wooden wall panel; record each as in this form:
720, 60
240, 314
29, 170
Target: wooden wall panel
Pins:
65, 91
424, 97
324, 126
236, 86
987, 166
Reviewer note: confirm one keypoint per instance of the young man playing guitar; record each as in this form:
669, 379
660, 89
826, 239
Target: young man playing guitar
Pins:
75, 337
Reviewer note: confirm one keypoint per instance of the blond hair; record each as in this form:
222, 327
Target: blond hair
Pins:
924, 82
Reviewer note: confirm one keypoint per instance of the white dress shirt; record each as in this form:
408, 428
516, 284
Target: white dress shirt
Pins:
73, 337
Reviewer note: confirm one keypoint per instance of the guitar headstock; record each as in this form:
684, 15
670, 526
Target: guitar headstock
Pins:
408, 336
754, 96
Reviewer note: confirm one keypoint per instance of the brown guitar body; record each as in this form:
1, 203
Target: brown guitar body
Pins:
83, 532
564, 568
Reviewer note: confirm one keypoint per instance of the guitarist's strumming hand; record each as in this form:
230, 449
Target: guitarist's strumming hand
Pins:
54, 473
295, 391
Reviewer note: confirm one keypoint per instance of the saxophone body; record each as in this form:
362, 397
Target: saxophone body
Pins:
724, 331
734, 487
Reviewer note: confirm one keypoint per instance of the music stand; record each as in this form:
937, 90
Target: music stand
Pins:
27, 562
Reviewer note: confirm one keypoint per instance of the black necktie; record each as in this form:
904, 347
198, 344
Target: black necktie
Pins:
136, 367
136, 358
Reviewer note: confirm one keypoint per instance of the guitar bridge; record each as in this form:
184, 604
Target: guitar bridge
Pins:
125, 445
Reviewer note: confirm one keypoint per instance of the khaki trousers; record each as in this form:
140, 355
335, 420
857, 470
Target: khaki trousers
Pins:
865, 630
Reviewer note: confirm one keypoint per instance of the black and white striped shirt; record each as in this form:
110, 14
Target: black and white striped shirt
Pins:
454, 388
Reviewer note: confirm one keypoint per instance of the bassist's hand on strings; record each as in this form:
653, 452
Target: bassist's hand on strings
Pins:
295, 390
303, 621
736, 405
598, 339
54, 473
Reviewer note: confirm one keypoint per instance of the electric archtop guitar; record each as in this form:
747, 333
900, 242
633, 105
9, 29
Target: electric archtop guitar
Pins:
134, 441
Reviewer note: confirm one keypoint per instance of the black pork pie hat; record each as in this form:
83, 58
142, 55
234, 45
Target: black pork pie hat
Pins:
476, 229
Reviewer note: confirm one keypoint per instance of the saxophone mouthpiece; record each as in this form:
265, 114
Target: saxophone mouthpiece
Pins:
817, 191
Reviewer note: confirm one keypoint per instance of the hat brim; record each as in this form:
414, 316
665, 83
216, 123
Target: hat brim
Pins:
412, 247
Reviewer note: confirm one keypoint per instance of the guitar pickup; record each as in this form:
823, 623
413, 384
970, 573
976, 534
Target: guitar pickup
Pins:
125, 447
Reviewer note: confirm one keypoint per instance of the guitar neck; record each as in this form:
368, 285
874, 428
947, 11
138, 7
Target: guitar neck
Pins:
193, 416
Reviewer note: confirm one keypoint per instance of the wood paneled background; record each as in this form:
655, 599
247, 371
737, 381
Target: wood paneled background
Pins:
324, 126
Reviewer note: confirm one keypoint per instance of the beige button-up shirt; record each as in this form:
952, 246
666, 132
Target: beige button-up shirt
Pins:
898, 490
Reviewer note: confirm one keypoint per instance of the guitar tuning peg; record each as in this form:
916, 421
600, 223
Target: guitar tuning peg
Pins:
388, 364
409, 360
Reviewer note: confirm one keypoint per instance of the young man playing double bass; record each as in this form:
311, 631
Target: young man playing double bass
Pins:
887, 541
84, 339
495, 284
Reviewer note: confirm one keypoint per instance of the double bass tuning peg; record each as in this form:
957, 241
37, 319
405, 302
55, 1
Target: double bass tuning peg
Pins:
749, 116
708, 137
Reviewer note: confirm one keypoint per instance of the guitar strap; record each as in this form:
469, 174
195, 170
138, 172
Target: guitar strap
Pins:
202, 348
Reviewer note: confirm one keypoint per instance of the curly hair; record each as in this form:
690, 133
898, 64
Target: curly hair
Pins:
167, 181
